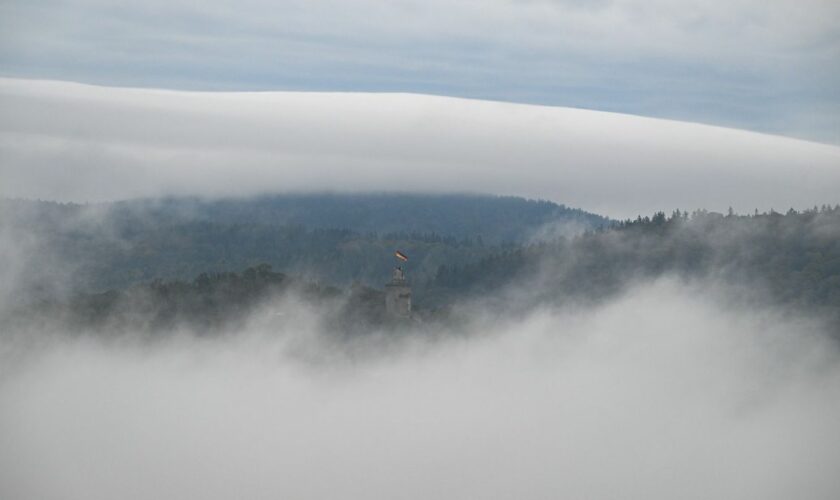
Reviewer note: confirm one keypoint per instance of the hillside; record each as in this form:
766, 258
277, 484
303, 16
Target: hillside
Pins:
494, 219
788, 261
326, 238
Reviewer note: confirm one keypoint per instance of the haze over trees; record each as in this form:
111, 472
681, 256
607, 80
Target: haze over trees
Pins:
790, 259
329, 238
155, 264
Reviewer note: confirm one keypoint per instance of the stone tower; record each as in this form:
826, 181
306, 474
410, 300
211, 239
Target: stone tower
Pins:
398, 295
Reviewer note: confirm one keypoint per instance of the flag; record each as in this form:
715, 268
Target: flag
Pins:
403, 257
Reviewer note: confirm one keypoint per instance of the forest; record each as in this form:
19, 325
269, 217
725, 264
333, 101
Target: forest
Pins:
790, 260
327, 238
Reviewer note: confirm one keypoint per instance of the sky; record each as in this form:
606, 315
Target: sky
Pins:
762, 65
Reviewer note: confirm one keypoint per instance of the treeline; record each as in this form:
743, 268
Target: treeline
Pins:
496, 219
337, 239
222, 303
792, 259
209, 304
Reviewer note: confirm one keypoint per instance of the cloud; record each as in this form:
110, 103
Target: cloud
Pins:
662, 393
82, 143
752, 64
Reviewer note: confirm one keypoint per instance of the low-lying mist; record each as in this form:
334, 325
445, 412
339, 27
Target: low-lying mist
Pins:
665, 391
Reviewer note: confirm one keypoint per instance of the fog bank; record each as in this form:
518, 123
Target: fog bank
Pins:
662, 393
72, 142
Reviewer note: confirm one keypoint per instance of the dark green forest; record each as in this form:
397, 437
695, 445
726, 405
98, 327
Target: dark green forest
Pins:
495, 219
791, 260
327, 238
153, 268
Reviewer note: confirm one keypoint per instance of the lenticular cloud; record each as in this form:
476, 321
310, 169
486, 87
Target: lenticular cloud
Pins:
76, 142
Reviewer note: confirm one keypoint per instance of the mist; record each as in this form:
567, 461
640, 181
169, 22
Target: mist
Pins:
665, 391
192, 270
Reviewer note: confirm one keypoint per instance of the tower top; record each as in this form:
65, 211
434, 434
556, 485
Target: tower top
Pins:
398, 276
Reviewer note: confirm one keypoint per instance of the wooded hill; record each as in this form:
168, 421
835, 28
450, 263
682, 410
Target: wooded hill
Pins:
326, 238
790, 261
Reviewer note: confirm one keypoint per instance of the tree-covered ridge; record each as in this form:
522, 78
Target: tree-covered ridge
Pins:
214, 303
792, 259
325, 238
495, 219
207, 303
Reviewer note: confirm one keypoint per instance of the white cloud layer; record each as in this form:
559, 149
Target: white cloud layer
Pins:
82, 143
767, 65
663, 393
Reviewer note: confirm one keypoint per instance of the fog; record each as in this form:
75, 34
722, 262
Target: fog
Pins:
71, 142
663, 392
663, 388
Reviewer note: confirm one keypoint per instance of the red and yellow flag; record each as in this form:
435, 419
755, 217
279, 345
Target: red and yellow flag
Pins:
403, 257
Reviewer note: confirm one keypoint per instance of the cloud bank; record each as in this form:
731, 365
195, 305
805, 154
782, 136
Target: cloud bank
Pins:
82, 143
662, 393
